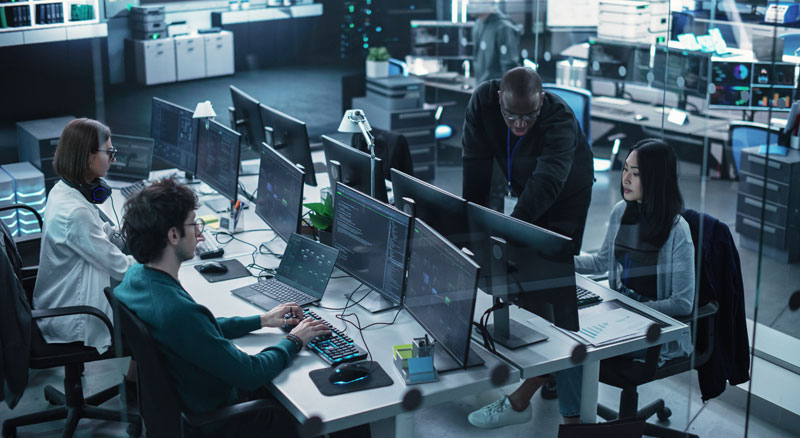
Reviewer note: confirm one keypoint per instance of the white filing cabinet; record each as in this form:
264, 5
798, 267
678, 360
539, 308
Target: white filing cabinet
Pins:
155, 61
190, 57
219, 53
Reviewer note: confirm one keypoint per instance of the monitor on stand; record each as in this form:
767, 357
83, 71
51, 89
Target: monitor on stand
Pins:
218, 162
290, 139
354, 168
174, 133
525, 265
444, 211
372, 239
440, 294
279, 200
246, 119
682, 72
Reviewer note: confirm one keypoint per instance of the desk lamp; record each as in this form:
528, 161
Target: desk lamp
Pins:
354, 120
204, 110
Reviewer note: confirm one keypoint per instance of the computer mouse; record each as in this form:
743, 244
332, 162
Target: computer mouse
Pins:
213, 268
640, 117
349, 373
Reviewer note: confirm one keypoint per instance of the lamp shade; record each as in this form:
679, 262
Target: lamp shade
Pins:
204, 109
351, 119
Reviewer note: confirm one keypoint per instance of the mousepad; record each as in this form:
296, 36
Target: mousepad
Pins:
235, 270
377, 379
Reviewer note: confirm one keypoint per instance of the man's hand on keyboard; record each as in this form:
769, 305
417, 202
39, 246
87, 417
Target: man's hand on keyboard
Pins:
285, 314
309, 329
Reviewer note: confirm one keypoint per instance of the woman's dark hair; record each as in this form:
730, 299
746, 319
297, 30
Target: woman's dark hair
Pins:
661, 196
79, 139
151, 213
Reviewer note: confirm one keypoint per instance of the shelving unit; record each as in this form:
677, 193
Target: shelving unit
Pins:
30, 22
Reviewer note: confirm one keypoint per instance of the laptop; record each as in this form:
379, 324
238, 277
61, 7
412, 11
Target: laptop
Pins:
302, 276
134, 158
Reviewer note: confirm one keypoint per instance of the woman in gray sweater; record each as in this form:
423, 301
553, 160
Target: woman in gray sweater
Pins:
649, 256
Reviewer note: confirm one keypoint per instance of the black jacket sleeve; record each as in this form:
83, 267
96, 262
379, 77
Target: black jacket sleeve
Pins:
477, 154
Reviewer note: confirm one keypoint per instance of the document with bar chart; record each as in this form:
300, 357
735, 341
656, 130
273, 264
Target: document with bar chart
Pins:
606, 324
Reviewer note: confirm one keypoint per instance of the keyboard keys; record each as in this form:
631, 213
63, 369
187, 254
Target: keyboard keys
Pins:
208, 249
586, 297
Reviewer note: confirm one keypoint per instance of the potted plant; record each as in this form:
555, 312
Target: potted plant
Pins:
321, 216
378, 62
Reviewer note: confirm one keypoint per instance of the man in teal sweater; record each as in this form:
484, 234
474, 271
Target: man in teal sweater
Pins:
161, 232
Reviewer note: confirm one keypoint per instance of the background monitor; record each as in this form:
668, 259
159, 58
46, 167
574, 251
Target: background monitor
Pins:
218, 158
682, 72
753, 86
174, 132
134, 158
440, 293
372, 239
541, 267
279, 200
247, 119
290, 139
444, 211
355, 167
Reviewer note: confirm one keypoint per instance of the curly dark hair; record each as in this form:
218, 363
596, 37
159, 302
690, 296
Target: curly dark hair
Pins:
151, 213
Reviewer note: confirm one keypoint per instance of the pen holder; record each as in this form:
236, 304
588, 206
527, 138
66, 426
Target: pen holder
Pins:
230, 224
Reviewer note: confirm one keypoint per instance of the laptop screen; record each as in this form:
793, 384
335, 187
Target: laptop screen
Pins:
134, 158
307, 265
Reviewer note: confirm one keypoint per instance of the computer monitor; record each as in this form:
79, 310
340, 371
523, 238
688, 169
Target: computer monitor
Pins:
279, 200
174, 133
355, 167
218, 158
440, 294
530, 267
372, 239
682, 72
290, 138
753, 86
247, 119
134, 158
444, 211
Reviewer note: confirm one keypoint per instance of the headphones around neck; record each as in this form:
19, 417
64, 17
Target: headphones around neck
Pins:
95, 192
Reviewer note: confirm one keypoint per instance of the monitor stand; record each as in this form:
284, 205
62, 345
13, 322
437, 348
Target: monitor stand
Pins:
374, 303
219, 205
512, 334
443, 362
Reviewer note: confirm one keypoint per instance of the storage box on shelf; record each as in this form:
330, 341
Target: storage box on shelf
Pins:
30, 22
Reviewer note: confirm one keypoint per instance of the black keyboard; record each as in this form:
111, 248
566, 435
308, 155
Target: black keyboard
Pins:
282, 292
132, 189
586, 298
208, 249
335, 348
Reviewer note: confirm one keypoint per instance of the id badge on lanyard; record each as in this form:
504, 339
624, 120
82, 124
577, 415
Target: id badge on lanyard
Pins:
509, 201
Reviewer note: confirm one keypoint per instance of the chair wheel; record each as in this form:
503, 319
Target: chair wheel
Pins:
664, 414
135, 429
9, 431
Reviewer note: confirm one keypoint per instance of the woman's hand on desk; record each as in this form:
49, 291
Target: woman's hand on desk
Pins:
309, 329
284, 314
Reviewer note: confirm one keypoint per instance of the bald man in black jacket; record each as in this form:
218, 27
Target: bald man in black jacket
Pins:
551, 160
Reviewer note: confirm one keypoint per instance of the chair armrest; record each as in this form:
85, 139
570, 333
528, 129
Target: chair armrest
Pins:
705, 311
195, 421
73, 310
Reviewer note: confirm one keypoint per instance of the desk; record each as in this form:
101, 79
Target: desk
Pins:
380, 406
554, 354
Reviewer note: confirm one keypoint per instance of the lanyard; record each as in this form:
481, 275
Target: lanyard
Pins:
510, 155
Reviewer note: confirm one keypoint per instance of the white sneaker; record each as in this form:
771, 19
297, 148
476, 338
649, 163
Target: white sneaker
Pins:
499, 414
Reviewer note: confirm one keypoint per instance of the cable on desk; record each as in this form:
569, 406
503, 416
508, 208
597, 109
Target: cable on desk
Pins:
346, 304
263, 270
361, 333
118, 231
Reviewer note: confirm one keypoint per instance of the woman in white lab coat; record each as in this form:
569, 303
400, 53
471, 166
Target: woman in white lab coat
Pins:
80, 253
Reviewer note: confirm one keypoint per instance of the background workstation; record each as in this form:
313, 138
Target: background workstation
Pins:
305, 60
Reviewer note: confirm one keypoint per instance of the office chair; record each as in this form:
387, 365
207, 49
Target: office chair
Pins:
743, 134
791, 43
71, 405
159, 403
397, 67
28, 247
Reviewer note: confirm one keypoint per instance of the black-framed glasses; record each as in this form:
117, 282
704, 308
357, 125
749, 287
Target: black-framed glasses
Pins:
527, 118
199, 226
112, 152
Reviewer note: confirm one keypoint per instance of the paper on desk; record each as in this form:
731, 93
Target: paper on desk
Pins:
600, 326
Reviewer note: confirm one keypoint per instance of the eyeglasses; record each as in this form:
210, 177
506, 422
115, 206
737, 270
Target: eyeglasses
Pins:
112, 152
199, 226
527, 118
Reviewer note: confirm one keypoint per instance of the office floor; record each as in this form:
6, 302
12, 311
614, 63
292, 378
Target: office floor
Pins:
313, 95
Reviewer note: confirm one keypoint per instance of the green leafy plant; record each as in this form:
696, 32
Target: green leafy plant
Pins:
321, 213
378, 54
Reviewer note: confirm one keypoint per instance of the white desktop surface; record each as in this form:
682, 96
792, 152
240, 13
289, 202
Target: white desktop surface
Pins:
294, 388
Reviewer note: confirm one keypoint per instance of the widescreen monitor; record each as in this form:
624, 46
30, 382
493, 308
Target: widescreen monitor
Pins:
247, 119
279, 199
355, 167
174, 133
753, 86
290, 139
218, 158
134, 158
440, 294
372, 239
682, 72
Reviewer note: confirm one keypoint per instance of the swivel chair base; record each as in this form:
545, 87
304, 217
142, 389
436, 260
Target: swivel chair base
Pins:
628, 401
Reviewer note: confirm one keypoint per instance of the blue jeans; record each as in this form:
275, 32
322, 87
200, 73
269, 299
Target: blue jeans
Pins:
569, 387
